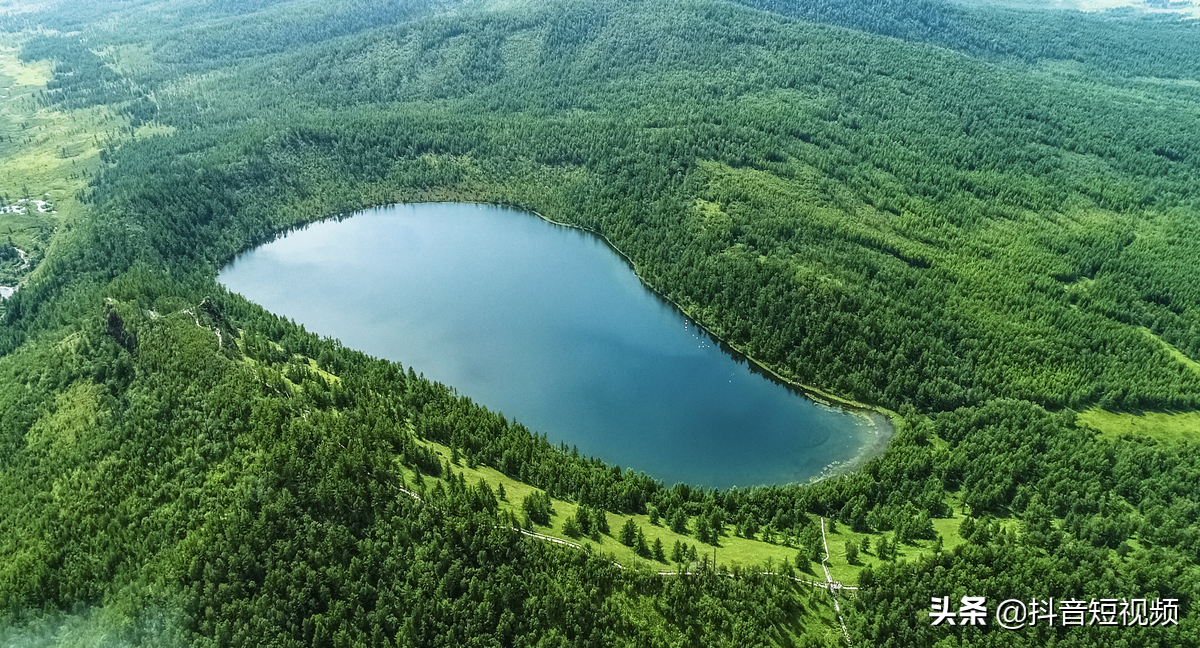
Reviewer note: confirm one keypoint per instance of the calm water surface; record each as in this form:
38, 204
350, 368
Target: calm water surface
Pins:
551, 327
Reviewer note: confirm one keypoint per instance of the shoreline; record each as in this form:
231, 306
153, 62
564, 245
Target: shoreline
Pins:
875, 443
815, 394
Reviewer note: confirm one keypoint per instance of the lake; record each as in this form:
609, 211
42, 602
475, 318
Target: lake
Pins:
550, 326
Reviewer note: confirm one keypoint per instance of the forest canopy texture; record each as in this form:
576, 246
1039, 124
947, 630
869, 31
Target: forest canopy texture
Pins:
982, 218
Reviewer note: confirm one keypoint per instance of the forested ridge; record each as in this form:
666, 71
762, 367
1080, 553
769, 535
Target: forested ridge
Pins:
982, 219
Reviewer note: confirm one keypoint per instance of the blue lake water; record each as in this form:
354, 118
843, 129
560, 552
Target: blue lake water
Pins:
550, 326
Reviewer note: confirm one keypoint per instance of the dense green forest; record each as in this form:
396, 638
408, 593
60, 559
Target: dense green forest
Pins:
984, 219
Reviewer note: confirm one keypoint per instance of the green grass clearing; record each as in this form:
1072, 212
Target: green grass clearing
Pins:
733, 551
843, 571
1167, 427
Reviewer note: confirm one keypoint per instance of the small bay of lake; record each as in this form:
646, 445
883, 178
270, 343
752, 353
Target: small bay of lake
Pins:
550, 326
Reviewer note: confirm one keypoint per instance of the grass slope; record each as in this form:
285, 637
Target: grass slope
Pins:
47, 155
733, 551
1171, 427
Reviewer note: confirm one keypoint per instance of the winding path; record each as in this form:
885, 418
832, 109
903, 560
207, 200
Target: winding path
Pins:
833, 585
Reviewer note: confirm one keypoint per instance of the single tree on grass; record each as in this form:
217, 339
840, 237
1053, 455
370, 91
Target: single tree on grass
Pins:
600, 521
538, 508
571, 528
679, 522
678, 554
883, 548
629, 533
702, 530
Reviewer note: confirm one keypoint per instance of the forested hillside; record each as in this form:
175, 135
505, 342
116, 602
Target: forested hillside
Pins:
984, 219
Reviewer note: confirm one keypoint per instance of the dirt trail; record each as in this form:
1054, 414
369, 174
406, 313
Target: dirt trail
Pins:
834, 586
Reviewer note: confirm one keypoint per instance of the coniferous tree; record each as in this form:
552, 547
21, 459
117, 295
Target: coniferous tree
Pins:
679, 522
629, 533
600, 521
678, 553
